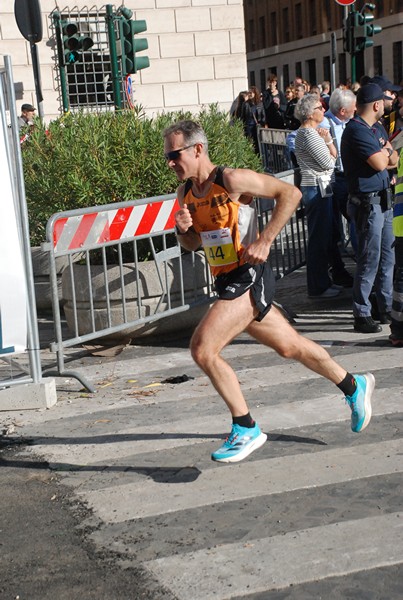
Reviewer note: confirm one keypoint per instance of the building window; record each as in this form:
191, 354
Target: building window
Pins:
252, 78
286, 75
378, 60
312, 17
298, 21
286, 25
262, 79
397, 62
273, 29
311, 71
298, 69
380, 9
326, 68
262, 32
328, 16
252, 40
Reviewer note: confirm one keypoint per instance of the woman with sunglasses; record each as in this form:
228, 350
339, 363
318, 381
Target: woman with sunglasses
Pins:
316, 155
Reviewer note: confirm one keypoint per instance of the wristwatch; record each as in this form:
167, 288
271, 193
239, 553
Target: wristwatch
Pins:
390, 150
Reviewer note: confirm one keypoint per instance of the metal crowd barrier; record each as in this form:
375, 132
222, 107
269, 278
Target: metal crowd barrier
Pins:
273, 150
107, 288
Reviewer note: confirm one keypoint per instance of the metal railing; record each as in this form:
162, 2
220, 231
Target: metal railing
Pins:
273, 150
107, 286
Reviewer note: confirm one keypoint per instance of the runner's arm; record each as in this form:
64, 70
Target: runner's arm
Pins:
259, 185
187, 236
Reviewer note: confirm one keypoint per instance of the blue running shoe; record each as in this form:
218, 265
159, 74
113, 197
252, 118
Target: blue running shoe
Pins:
360, 402
239, 444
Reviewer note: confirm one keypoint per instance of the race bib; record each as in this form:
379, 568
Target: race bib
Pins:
219, 247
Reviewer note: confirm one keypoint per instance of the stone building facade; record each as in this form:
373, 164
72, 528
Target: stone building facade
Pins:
293, 38
196, 50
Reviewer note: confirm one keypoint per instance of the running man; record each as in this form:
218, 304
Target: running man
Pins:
218, 212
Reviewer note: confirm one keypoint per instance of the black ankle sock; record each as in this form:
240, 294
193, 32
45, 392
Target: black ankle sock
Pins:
244, 421
348, 385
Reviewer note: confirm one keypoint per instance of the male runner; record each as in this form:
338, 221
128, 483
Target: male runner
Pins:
218, 212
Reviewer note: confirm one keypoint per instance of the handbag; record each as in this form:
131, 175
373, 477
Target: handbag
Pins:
325, 185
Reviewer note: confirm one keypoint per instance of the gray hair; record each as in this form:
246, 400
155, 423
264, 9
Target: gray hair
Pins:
341, 99
193, 133
305, 107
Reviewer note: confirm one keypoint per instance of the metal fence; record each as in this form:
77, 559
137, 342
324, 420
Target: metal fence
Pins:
273, 150
108, 287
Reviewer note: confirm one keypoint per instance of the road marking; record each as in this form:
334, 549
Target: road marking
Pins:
261, 477
276, 562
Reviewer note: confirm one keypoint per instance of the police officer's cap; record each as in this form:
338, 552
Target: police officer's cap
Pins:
371, 92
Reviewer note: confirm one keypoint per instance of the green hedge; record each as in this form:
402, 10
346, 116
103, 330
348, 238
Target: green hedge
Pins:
90, 159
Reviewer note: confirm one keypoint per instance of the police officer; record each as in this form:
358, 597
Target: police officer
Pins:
367, 155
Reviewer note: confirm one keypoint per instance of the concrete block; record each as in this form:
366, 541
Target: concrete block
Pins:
153, 50
17, 49
159, 21
227, 17
181, 44
163, 71
210, 43
139, 5
237, 42
209, 91
150, 96
197, 19
172, 3
196, 68
230, 65
208, 2
173, 91
9, 29
29, 396
241, 83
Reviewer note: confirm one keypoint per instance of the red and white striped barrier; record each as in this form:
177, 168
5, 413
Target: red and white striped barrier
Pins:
80, 232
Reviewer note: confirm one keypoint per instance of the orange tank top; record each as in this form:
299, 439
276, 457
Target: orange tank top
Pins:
225, 226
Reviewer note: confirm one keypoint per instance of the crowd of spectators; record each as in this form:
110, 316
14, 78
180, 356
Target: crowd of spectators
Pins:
340, 142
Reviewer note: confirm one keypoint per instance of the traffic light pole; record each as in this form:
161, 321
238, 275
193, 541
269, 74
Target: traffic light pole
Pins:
353, 57
60, 53
117, 96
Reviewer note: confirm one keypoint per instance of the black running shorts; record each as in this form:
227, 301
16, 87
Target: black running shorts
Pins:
259, 279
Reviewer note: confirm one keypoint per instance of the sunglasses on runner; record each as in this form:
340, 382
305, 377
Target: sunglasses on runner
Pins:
174, 154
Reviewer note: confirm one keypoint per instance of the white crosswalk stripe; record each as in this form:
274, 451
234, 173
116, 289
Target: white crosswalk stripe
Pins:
144, 470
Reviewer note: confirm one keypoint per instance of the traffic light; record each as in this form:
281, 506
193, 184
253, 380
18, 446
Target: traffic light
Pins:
360, 30
73, 43
129, 44
348, 36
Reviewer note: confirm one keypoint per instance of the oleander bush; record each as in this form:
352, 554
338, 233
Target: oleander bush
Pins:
83, 160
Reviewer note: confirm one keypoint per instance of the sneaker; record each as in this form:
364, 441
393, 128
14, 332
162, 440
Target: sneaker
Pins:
366, 325
331, 292
360, 402
239, 444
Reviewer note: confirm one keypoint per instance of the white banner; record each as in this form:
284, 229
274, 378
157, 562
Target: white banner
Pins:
13, 293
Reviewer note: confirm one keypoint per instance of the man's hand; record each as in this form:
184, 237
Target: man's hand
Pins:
183, 219
257, 252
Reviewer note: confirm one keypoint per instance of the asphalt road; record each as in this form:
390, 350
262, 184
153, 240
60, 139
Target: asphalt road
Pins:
113, 495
